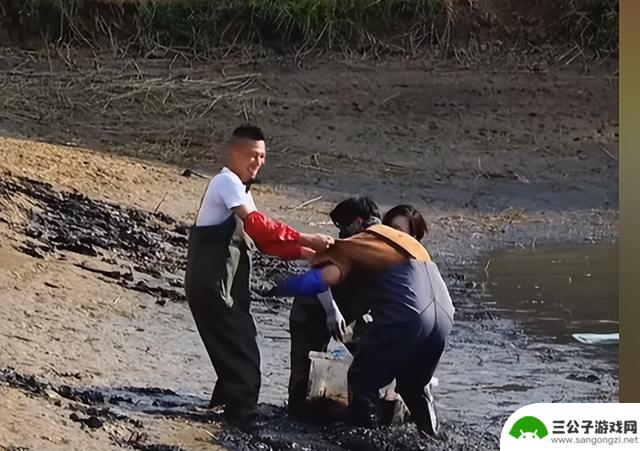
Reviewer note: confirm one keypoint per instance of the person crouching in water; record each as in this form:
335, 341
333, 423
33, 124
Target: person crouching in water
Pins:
412, 317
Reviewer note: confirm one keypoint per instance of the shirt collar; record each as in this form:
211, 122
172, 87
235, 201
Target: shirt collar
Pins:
247, 185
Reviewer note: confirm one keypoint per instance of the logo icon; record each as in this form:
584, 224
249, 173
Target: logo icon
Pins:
529, 428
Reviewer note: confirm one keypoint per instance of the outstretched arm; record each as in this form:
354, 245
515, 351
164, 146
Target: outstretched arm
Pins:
279, 239
310, 283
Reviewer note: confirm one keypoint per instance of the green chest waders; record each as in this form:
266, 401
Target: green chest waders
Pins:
217, 289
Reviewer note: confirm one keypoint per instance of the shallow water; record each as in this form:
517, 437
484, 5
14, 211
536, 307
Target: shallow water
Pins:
557, 291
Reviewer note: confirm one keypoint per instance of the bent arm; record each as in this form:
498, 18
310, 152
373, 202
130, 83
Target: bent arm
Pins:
316, 283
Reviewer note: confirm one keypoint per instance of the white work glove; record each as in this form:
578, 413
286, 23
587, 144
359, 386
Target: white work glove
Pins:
336, 325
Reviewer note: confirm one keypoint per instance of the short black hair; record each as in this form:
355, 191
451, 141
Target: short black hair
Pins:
249, 131
417, 225
353, 208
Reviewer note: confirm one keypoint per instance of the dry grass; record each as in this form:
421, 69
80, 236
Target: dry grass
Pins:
200, 26
159, 109
302, 27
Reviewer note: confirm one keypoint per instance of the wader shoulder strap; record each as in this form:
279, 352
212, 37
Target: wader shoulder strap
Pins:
402, 242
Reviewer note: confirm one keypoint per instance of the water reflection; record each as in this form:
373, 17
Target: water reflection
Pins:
557, 291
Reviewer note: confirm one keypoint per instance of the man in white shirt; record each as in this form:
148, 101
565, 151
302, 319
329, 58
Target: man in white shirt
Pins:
227, 229
224, 193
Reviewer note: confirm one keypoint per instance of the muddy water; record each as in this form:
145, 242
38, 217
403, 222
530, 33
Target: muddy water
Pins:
151, 365
557, 291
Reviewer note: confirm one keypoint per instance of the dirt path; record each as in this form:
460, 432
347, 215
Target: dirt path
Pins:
495, 158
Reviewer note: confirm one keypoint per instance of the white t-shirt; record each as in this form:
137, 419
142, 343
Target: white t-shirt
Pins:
225, 192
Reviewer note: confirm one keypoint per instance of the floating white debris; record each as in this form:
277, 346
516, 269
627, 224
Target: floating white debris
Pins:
597, 339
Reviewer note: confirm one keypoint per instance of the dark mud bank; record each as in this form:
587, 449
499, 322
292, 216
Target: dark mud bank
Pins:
490, 368
93, 408
140, 250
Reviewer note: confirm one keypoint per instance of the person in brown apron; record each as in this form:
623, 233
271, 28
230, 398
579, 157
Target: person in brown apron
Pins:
227, 230
412, 318
311, 325
407, 219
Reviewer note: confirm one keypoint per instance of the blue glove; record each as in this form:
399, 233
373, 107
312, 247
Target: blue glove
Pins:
307, 284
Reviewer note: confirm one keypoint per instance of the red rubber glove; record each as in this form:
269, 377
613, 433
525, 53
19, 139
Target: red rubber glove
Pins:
273, 237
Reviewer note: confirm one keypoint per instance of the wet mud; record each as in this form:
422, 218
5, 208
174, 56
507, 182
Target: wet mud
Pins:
95, 407
144, 252
91, 408
141, 251
496, 156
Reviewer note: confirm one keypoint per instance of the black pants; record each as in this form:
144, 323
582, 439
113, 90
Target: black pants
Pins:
229, 336
307, 326
408, 352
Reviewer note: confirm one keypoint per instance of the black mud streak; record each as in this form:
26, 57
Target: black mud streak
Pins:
490, 368
142, 251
